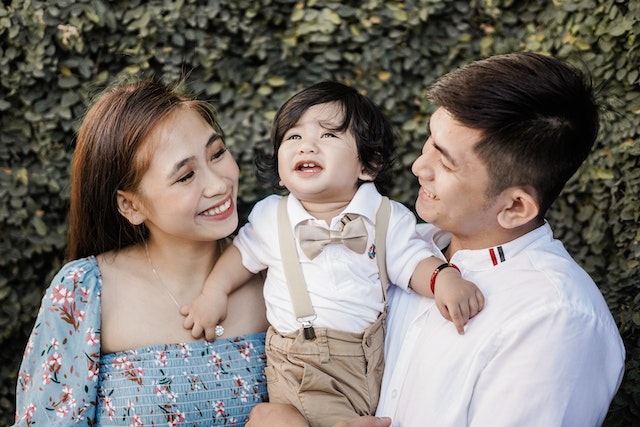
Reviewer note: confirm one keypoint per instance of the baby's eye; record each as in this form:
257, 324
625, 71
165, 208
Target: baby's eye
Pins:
186, 178
328, 135
292, 137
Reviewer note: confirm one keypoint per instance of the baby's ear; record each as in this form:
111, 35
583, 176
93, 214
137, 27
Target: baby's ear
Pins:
520, 206
128, 206
366, 176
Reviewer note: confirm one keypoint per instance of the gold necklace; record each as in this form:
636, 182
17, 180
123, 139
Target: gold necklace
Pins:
155, 272
219, 328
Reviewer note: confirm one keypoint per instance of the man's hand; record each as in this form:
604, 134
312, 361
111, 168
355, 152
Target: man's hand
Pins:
275, 415
285, 415
365, 421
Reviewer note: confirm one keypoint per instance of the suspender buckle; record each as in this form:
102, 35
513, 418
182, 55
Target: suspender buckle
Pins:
309, 333
307, 326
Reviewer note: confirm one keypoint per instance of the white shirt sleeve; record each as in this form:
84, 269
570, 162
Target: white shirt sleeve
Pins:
257, 240
405, 247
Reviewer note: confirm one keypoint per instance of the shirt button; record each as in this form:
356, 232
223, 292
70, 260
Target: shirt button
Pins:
394, 394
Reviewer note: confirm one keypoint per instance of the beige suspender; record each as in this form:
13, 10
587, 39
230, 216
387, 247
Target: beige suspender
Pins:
302, 307
305, 314
380, 239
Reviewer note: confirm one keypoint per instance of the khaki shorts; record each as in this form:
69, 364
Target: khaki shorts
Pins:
334, 377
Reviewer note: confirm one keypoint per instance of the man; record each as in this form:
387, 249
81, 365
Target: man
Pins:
508, 133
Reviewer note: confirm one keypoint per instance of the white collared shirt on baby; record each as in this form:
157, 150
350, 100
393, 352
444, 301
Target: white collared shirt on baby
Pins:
343, 285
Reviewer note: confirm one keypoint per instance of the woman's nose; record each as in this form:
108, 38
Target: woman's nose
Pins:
214, 183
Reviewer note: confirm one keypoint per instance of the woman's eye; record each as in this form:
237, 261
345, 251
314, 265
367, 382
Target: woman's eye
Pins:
186, 177
219, 154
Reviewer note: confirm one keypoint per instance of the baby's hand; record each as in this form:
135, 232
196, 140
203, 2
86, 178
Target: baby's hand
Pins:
204, 313
457, 299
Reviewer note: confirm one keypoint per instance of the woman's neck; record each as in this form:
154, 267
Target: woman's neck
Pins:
188, 265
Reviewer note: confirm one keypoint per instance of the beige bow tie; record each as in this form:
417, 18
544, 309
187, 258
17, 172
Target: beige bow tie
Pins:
313, 238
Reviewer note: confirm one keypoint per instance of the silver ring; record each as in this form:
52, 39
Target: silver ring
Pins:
219, 330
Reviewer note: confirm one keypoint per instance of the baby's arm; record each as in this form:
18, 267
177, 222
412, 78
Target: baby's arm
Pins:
210, 307
457, 299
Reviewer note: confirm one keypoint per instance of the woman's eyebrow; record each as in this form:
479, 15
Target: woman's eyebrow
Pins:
180, 165
212, 139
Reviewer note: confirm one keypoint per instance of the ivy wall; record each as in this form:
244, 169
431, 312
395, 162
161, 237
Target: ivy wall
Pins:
247, 57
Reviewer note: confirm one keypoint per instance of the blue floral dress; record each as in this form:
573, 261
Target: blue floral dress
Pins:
64, 380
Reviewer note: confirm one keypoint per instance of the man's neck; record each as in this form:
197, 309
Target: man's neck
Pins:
492, 239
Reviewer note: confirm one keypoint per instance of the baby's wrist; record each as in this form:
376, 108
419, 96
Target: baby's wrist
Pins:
437, 272
214, 293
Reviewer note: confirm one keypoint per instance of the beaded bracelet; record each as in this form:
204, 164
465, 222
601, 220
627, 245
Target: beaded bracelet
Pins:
432, 282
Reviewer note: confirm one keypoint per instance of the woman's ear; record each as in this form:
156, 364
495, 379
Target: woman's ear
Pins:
128, 207
519, 208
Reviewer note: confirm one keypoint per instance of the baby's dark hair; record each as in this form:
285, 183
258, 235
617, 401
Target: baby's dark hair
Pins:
372, 130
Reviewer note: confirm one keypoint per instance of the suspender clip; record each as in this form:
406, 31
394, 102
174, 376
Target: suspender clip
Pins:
307, 326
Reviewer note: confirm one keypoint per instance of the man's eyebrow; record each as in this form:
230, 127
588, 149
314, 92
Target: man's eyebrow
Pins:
445, 153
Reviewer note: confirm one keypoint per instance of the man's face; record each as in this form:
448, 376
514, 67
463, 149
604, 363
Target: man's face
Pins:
454, 182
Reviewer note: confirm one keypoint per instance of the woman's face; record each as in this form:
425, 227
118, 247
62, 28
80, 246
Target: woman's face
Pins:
189, 191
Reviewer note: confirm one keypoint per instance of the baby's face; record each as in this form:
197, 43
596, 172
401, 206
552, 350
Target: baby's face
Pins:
317, 163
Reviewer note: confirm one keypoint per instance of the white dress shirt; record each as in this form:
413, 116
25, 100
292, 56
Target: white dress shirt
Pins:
545, 351
344, 286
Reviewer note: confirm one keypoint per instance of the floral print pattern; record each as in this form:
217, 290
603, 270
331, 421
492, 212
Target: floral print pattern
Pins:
63, 379
216, 383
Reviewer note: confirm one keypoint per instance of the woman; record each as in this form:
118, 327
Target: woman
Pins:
153, 199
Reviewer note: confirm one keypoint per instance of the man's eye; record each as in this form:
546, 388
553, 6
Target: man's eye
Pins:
445, 167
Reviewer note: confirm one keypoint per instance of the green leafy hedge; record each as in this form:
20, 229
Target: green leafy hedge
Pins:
248, 56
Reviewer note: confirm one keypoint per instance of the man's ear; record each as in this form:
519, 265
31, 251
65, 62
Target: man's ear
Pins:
128, 206
520, 206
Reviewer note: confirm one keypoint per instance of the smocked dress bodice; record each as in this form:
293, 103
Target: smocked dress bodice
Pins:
195, 384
